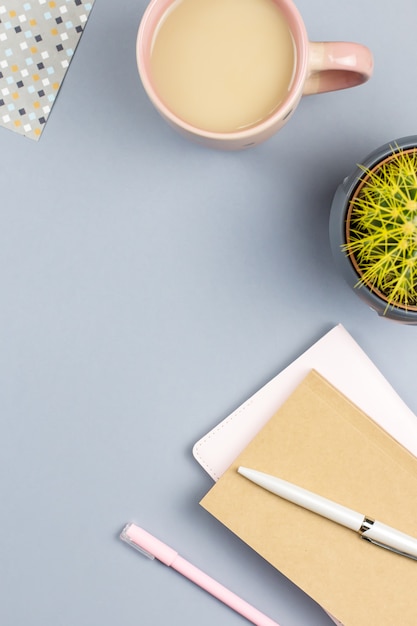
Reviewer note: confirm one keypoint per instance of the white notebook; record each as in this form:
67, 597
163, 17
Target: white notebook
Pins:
345, 365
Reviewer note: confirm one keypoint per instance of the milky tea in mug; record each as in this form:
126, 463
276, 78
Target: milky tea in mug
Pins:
223, 65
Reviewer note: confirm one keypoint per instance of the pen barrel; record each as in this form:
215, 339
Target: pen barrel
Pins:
220, 592
306, 499
391, 538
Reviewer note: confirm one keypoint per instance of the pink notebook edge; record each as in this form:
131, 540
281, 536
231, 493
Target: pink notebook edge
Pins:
340, 359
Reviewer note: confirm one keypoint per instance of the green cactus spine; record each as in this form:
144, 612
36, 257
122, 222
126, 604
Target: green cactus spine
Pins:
381, 229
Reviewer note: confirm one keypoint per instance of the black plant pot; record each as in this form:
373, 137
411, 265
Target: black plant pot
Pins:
339, 223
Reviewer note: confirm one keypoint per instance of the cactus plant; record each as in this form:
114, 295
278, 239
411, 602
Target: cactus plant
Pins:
373, 229
381, 228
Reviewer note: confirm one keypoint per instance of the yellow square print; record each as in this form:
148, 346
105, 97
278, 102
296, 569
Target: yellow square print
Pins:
36, 45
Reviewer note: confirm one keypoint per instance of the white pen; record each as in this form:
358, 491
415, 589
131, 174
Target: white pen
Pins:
368, 528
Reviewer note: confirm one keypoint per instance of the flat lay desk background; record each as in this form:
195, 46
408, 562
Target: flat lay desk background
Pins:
148, 287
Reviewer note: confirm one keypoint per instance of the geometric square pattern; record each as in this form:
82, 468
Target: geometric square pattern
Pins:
38, 39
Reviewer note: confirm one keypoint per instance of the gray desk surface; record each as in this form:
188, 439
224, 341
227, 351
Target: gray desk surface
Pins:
148, 287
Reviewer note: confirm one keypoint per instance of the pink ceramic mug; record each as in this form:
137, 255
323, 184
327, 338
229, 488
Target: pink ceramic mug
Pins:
318, 67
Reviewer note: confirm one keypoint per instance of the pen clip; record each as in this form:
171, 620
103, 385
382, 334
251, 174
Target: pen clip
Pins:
390, 548
367, 524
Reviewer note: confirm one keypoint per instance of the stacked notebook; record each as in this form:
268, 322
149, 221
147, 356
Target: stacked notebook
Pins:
331, 423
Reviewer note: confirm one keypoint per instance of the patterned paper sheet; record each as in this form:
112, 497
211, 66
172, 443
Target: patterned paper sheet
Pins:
38, 39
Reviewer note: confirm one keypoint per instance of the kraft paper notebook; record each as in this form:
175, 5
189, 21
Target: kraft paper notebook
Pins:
320, 440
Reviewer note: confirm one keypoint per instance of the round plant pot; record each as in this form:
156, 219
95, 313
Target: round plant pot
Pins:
339, 230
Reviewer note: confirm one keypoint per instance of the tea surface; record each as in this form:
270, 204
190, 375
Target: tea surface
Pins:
223, 65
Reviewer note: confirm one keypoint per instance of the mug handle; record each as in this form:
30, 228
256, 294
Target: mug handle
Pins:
334, 65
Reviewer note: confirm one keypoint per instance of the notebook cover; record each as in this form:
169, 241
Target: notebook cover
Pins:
339, 358
320, 440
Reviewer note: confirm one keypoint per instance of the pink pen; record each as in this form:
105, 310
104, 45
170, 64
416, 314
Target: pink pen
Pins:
153, 548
